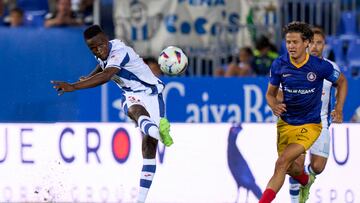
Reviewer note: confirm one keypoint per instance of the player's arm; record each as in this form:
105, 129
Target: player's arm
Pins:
280, 96
341, 92
271, 97
93, 81
97, 79
97, 69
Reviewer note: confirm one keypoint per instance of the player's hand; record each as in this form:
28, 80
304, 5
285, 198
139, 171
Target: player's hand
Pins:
337, 116
62, 87
279, 109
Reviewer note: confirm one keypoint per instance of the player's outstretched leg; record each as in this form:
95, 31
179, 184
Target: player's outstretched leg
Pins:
149, 146
164, 129
294, 190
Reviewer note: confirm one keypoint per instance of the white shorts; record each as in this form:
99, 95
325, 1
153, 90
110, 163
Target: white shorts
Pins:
321, 146
154, 104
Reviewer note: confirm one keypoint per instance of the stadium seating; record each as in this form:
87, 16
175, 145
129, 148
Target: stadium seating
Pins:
33, 5
347, 26
34, 18
353, 57
339, 49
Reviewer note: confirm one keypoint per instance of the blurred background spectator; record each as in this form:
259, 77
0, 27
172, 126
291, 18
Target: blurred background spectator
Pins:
16, 17
1, 9
264, 55
356, 116
63, 15
243, 68
5, 7
82, 9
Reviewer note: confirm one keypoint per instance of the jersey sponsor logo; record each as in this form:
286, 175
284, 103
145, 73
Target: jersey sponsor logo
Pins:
132, 99
299, 91
311, 76
304, 130
286, 75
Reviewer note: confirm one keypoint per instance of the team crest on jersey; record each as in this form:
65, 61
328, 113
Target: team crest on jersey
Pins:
311, 76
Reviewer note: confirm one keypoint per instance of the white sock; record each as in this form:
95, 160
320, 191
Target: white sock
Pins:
310, 170
294, 190
147, 175
148, 127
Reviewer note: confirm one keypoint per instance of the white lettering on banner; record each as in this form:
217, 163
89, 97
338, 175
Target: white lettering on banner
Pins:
88, 180
248, 89
151, 25
204, 2
198, 113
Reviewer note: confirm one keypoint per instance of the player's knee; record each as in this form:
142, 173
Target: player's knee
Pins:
282, 164
317, 167
136, 111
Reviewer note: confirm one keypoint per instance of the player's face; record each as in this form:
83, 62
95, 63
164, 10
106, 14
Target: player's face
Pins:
295, 45
317, 46
99, 46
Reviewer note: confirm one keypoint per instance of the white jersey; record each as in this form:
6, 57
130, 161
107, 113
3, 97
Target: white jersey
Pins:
134, 74
326, 99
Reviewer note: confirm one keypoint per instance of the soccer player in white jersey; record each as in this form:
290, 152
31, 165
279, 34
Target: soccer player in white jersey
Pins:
319, 151
141, 94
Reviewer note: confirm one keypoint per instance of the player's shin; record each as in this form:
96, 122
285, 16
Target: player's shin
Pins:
148, 127
147, 175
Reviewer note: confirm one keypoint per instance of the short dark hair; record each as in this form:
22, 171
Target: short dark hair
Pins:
319, 31
92, 31
247, 50
17, 10
299, 27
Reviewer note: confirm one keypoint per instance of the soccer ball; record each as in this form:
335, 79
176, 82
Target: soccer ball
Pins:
173, 61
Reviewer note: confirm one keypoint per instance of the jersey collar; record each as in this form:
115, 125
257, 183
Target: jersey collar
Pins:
299, 65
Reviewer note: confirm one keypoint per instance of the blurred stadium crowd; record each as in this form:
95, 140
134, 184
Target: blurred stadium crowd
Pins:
47, 13
342, 40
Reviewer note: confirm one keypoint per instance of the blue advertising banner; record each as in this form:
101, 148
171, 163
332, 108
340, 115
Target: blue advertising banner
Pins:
207, 99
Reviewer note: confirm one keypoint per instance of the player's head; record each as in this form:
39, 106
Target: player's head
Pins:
97, 41
317, 45
298, 35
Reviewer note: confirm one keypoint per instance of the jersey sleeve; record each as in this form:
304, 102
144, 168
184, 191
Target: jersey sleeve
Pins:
118, 59
274, 73
330, 72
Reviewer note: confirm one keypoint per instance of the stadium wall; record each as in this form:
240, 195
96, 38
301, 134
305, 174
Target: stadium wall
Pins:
98, 162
